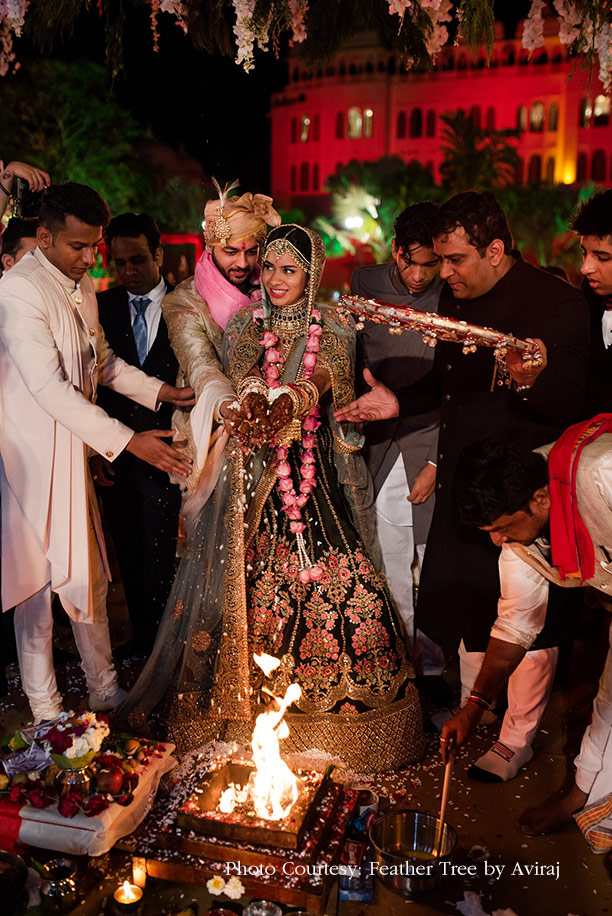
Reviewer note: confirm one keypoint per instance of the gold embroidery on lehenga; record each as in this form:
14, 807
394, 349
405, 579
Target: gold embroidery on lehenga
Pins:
231, 690
334, 357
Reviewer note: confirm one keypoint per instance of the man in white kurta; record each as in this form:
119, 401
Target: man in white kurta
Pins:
526, 566
53, 355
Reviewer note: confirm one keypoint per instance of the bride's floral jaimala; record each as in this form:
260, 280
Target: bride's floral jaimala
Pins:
292, 502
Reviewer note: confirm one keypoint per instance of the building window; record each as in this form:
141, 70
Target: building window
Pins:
553, 116
340, 126
521, 117
304, 128
401, 125
586, 111
304, 176
355, 123
494, 62
342, 69
535, 170
541, 58
536, 118
581, 167
598, 165
518, 171
490, 119
294, 130
509, 57
296, 75
524, 59
462, 63
557, 57
431, 123
550, 170
475, 116
416, 123
315, 177
294, 178
316, 128
368, 120
601, 111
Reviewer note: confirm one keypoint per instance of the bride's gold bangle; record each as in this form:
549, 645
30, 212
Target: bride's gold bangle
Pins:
308, 394
252, 384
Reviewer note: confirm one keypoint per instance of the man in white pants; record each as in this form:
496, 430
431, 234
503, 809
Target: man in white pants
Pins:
551, 512
53, 355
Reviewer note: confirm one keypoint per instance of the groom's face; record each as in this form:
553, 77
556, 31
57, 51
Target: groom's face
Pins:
237, 260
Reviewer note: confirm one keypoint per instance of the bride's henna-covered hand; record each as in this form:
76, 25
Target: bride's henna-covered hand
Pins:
258, 421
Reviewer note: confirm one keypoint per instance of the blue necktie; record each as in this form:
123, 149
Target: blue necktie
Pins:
139, 327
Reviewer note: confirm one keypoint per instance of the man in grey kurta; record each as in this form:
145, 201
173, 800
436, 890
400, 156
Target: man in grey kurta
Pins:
401, 454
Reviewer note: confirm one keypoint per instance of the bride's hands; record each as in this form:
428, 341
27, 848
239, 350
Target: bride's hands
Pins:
256, 421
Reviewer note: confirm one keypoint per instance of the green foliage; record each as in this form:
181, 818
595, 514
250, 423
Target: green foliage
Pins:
539, 217
475, 157
477, 24
61, 117
179, 207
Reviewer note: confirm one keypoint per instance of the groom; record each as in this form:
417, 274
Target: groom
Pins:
226, 278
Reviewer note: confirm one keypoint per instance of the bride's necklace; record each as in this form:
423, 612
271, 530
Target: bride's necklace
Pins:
291, 320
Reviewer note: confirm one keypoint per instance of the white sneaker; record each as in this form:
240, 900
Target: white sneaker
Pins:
102, 704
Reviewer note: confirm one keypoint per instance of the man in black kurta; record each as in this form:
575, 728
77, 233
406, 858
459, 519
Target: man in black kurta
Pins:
489, 284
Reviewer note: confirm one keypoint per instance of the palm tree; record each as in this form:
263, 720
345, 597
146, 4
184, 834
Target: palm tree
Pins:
476, 158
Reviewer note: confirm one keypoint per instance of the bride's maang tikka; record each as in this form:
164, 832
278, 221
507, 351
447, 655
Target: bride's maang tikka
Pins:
284, 246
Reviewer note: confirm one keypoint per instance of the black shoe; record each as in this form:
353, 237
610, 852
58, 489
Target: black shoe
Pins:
481, 775
130, 649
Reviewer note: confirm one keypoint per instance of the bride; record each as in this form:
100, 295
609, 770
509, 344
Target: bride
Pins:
282, 559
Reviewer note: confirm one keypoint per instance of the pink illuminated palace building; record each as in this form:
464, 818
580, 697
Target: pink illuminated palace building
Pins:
363, 105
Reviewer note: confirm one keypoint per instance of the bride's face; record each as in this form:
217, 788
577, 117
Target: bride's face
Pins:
284, 281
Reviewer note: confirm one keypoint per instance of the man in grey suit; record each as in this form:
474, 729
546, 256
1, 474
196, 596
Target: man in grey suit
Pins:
401, 453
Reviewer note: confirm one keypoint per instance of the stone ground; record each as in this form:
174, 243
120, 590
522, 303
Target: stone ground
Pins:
482, 814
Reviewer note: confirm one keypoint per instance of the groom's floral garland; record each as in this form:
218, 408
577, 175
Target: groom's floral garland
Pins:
292, 502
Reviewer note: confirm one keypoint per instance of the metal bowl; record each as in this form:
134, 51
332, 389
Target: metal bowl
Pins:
403, 843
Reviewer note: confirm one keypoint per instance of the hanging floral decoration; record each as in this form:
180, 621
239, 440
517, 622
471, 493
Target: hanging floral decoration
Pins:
584, 27
415, 30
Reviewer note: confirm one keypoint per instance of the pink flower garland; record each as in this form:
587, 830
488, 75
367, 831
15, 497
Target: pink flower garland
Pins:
292, 502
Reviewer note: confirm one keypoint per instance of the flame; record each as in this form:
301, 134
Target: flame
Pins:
267, 663
127, 894
272, 787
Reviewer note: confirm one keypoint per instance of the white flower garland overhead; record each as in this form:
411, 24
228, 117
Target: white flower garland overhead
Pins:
584, 25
